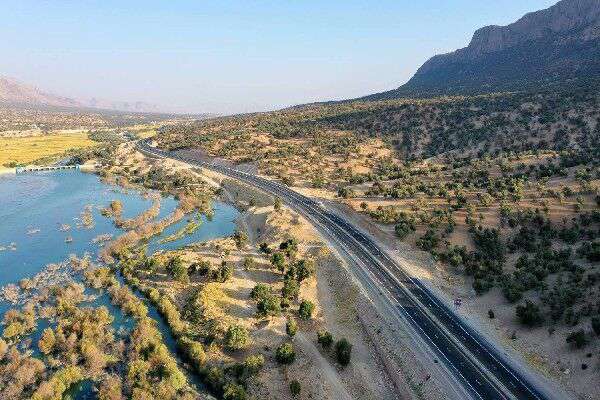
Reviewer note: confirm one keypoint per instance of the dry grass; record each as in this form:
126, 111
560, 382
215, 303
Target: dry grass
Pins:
28, 149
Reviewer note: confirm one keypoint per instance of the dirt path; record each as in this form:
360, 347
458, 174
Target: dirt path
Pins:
330, 374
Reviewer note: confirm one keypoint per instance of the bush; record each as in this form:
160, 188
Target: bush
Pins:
324, 338
248, 263
577, 338
343, 350
260, 291
404, 228
290, 289
304, 269
428, 241
291, 327
194, 352
237, 338
295, 388
306, 310
177, 270
596, 325
285, 354
234, 392
278, 261
253, 364
223, 274
529, 314
268, 306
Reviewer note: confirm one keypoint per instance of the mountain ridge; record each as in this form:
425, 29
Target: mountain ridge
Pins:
546, 47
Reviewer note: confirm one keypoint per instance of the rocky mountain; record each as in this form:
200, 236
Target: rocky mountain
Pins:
552, 46
15, 92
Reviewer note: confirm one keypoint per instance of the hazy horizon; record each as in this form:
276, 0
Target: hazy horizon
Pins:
233, 56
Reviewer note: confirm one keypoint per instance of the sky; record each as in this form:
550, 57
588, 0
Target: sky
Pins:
227, 56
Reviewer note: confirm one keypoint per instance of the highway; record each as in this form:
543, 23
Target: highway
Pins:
483, 371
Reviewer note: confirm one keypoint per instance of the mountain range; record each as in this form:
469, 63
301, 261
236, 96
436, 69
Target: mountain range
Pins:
13, 91
558, 45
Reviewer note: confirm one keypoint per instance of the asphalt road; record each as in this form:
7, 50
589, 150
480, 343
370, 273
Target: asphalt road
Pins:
479, 367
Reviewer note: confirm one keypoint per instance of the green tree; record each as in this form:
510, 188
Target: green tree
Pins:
306, 310
295, 388
232, 391
285, 353
305, 269
177, 270
278, 261
324, 338
343, 351
529, 314
290, 289
237, 338
577, 338
291, 327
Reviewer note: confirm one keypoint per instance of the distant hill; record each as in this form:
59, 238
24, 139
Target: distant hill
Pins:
15, 92
548, 47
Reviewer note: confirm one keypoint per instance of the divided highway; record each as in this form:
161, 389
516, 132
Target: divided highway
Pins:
480, 368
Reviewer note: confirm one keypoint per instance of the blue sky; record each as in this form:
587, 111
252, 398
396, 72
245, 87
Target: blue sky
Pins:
235, 56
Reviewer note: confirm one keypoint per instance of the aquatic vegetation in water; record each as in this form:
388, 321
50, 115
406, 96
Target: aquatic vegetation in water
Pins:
12, 247
188, 229
86, 217
64, 227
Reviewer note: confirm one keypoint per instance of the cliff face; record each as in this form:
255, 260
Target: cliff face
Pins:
544, 47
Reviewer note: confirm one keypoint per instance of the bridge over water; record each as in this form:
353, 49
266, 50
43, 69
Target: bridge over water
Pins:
20, 170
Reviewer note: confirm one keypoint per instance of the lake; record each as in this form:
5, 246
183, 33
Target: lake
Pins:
41, 223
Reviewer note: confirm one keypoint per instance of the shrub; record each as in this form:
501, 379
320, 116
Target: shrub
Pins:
223, 274
343, 350
278, 261
285, 354
306, 310
577, 338
291, 327
240, 238
177, 270
260, 291
47, 341
529, 314
290, 289
404, 228
324, 338
269, 306
237, 338
234, 392
248, 263
596, 325
304, 269
428, 241
253, 364
194, 351
295, 388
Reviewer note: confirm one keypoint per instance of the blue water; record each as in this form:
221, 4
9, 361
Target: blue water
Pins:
46, 200
34, 206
